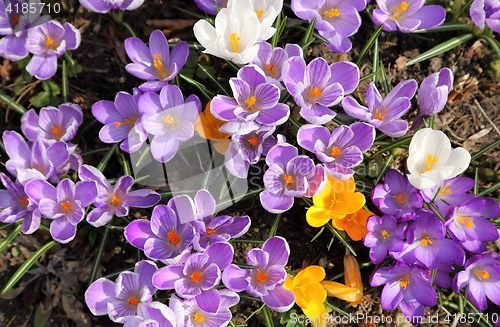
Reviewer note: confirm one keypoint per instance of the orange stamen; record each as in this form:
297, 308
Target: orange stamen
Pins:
196, 276
233, 39
115, 201
50, 43
445, 189
404, 281
380, 115
271, 69
199, 317
128, 121
430, 160
173, 237
385, 234
66, 206
481, 274
261, 277
336, 151
400, 198
133, 301
466, 221
57, 131
210, 231
24, 201
288, 179
251, 102
259, 13
401, 9
333, 12
425, 241
159, 66
253, 141
315, 92
15, 19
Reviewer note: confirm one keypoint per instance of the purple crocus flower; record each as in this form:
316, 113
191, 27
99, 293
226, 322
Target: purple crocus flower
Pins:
115, 201
289, 175
16, 205
123, 121
449, 192
65, 204
189, 314
271, 60
427, 245
255, 103
38, 162
482, 274
433, 95
210, 6
14, 25
164, 237
197, 277
102, 6
247, 149
486, 11
152, 314
47, 42
407, 16
384, 114
384, 234
156, 64
340, 150
406, 286
219, 229
397, 197
169, 118
120, 299
467, 223
52, 124
336, 20
317, 86
266, 280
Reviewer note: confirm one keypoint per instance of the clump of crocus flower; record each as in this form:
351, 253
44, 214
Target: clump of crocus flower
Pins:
105, 6
486, 12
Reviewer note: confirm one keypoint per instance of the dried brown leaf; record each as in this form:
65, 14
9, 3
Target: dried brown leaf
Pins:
73, 309
170, 24
469, 143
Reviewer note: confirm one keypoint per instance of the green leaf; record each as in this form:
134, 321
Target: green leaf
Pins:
12, 104
98, 255
447, 27
51, 87
107, 156
209, 72
274, 227
369, 44
203, 89
494, 44
440, 48
308, 39
192, 60
341, 238
12, 235
27, 265
65, 84
41, 316
268, 318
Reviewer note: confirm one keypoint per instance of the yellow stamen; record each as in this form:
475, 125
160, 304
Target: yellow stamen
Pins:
401, 9
196, 276
168, 119
199, 317
385, 234
400, 198
24, 201
66, 206
336, 151
481, 274
404, 281
57, 131
210, 231
271, 69
115, 201
50, 43
233, 39
466, 221
445, 189
425, 241
253, 141
159, 66
251, 103
430, 160
288, 179
379, 115
261, 277
133, 301
128, 121
173, 237
259, 13
334, 12
315, 92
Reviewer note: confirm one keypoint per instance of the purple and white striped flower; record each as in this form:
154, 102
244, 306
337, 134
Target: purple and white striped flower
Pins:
103, 7
47, 42
64, 204
122, 121
317, 86
115, 200
266, 280
255, 103
120, 299
169, 118
340, 150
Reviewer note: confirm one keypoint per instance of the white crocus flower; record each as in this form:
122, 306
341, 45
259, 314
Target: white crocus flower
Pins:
234, 35
432, 159
265, 10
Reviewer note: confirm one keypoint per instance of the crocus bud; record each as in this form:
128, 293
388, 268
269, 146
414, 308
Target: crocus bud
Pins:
352, 277
341, 291
433, 95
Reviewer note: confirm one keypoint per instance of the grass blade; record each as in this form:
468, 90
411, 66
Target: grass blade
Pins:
12, 235
341, 238
308, 39
98, 256
274, 227
440, 48
11, 103
484, 150
65, 85
494, 44
203, 89
447, 27
268, 318
27, 265
107, 156
369, 44
214, 79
